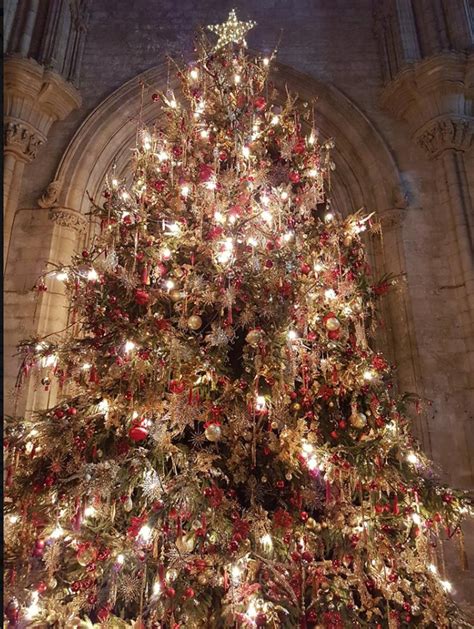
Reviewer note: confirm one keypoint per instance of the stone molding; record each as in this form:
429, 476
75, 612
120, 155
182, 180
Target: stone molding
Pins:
50, 195
438, 85
21, 139
446, 132
391, 217
65, 217
33, 99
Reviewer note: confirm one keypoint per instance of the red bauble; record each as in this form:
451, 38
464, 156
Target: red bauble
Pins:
141, 297
71, 411
294, 177
155, 97
189, 592
260, 103
41, 587
205, 172
138, 433
305, 268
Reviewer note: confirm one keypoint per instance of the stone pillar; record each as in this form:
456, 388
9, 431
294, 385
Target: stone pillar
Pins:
445, 140
57, 233
33, 99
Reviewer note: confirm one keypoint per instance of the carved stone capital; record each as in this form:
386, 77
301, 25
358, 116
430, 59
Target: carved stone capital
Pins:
68, 218
50, 195
391, 217
446, 132
21, 139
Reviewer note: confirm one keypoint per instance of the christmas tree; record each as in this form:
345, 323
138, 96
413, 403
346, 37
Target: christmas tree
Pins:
228, 450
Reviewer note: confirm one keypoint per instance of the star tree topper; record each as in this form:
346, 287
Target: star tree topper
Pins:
231, 31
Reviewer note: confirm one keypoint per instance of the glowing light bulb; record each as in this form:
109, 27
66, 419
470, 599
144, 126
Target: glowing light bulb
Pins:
224, 257
173, 228
251, 610
246, 151
264, 199
330, 294
416, 518
49, 361
266, 541
446, 585
13, 519
275, 120
284, 195
412, 458
229, 244
307, 448
57, 532
260, 403
89, 512
328, 217
145, 533
211, 185
156, 588
114, 183
120, 559
311, 138
103, 406
235, 573
166, 253
219, 217
288, 236
432, 568
267, 217
184, 190
312, 463
162, 156
125, 195
237, 78
169, 284
86, 366
194, 74
33, 609
204, 133
313, 172
266, 61
368, 375
292, 335
253, 242
92, 275
129, 346
61, 276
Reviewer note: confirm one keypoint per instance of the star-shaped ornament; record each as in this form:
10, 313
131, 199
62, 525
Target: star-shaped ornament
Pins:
231, 31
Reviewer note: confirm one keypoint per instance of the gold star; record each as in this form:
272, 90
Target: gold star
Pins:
231, 31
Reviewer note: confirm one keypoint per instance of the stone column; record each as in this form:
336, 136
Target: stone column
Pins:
58, 233
33, 99
445, 141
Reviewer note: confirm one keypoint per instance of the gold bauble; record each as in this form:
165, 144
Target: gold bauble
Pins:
194, 322
311, 524
176, 295
52, 583
296, 406
289, 476
213, 433
213, 537
253, 337
358, 420
202, 579
347, 241
185, 543
86, 556
333, 324
128, 504
171, 575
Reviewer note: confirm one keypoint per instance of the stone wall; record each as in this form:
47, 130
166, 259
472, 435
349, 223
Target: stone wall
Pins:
394, 80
